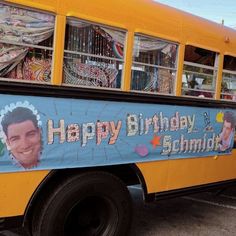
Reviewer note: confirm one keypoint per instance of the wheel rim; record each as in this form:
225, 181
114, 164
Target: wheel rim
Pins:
94, 215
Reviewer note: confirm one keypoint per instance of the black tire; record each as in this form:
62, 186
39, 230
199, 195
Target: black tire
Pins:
89, 204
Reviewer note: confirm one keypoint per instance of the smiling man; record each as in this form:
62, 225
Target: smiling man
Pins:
227, 133
23, 137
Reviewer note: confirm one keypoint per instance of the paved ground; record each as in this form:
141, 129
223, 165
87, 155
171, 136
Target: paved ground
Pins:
202, 214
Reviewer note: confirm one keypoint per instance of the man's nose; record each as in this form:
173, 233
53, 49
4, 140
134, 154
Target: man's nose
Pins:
24, 143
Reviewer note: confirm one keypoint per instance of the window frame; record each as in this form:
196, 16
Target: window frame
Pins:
34, 46
214, 69
174, 69
125, 31
231, 72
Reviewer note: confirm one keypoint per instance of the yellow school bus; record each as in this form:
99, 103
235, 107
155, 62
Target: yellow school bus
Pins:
99, 95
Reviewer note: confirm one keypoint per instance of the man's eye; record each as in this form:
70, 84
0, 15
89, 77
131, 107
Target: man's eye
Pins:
31, 133
13, 139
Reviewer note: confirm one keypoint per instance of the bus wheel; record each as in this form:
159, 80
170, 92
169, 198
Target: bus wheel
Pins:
89, 204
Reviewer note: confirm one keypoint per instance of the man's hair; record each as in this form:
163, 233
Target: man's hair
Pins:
18, 115
230, 117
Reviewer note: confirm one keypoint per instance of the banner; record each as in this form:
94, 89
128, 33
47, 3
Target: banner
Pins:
54, 133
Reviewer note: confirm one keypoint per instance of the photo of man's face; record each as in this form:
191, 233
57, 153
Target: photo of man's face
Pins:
227, 133
226, 130
22, 135
24, 142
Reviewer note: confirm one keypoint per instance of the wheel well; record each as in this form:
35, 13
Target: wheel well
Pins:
129, 174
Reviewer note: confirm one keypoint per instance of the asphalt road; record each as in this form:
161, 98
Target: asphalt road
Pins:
202, 214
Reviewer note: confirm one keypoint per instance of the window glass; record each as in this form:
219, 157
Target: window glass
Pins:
228, 86
26, 44
93, 55
200, 72
154, 65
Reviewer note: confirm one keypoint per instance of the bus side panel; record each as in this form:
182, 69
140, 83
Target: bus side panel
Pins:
155, 175
192, 172
17, 189
182, 173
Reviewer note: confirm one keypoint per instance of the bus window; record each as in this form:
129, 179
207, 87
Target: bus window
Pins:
26, 44
154, 65
200, 72
93, 55
228, 87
